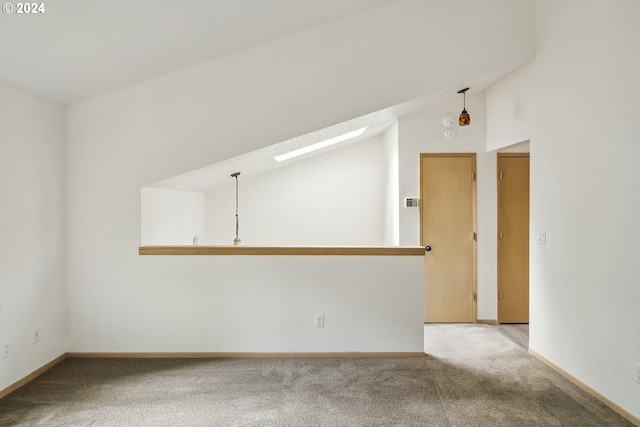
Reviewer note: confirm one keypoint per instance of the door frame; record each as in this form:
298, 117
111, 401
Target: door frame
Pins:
499, 156
474, 207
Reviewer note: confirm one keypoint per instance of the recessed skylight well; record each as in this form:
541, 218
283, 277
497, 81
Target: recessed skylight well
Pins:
319, 145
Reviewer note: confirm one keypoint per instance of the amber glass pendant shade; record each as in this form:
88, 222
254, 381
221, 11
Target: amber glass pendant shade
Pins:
464, 119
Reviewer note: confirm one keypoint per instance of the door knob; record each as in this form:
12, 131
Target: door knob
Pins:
427, 248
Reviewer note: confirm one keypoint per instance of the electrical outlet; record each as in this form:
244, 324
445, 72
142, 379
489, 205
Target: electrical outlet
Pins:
5, 349
319, 320
638, 372
36, 335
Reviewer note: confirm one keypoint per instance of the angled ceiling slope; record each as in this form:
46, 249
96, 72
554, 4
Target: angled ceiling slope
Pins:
341, 76
262, 160
79, 49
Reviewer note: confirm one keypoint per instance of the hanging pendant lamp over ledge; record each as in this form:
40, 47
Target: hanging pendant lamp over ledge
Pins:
236, 241
465, 119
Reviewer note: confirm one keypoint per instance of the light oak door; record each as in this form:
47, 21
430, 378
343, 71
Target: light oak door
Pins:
448, 223
513, 238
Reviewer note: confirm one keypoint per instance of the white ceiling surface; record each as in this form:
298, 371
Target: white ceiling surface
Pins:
80, 49
260, 161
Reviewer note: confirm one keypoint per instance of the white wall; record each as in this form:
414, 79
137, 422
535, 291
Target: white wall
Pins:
520, 147
423, 132
267, 304
331, 198
580, 96
171, 217
32, 228
509, 116
391, 185
123, 141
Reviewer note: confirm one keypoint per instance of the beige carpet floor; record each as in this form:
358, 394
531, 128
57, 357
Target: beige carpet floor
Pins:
472, 376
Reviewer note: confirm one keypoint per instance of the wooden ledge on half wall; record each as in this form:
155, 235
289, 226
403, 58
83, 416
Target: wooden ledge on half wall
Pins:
283, 250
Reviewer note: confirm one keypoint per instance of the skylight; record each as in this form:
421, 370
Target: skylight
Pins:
319, 145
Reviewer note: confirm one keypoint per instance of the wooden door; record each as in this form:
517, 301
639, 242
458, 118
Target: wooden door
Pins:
513, 238
448, 194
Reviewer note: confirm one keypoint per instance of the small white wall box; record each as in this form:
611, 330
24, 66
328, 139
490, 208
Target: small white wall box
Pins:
411, 202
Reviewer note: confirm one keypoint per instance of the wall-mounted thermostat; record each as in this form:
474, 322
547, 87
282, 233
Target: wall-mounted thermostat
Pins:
411, 202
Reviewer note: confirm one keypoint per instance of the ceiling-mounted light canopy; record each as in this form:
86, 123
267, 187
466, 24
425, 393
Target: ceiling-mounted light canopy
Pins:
464, 119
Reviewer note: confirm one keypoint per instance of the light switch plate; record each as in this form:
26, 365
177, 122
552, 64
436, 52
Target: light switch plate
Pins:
542, 238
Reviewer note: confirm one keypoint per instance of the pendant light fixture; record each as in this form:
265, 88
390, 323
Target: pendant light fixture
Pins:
236, 241
464, 119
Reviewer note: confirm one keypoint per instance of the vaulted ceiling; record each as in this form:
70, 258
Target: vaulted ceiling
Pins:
80, 49
361, 62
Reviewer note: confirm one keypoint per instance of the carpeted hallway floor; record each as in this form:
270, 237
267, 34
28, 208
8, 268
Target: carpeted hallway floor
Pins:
472, 376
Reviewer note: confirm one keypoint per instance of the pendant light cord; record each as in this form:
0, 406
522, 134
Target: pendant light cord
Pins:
237, 239
237, 207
